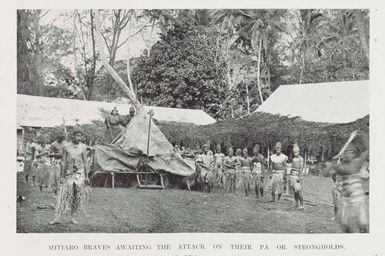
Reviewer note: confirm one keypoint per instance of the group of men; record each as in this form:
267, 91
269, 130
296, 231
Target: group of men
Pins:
245, 172
61, 166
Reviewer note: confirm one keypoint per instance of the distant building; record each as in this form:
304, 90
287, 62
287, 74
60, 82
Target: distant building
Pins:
334, 102
38, 112
34, 111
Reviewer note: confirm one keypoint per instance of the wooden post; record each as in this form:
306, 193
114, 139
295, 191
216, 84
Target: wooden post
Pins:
138, 179
105, 181
305, 164
161, 181
113, 180
151, 113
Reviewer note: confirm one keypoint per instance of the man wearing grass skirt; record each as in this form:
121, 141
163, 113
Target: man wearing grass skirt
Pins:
205, 166
245, 171
74, 191
295, 177
257, 178
352, 210
229, 164
43, 169
29, 154
218, 165
57, 149
278, 168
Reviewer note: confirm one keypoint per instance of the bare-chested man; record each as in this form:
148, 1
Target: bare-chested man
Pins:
30, 148
258, 162
229, 170
43, 169
278, 168
295, 177
205, 165
218, 165
57, 149
246, 171
74, 191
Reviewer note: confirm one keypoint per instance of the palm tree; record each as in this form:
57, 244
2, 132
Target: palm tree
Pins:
309, 22
251, 29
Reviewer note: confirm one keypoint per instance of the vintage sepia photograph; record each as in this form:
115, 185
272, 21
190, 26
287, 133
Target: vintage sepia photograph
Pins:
192, 121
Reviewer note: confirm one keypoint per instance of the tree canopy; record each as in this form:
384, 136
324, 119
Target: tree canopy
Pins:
226, 62
182, 71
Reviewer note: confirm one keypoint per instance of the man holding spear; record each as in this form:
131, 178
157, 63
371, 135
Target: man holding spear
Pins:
352, 211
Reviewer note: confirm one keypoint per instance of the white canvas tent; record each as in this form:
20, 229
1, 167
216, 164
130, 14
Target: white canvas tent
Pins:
37, 111
336, 102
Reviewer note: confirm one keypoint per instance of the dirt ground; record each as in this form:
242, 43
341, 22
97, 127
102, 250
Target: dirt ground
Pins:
133, 210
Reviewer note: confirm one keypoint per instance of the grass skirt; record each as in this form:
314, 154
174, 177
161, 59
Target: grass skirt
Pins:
55, 175
245, 180
295, 184
276, 183
257, 180
352, 211
27, 166
74, 194
43, 173
34, 165
229, 180
219, 176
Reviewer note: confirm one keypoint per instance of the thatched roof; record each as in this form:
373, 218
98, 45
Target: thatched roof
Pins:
37, 111
338, 102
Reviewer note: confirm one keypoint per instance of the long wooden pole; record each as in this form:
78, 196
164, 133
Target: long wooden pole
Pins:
99, 44
151, 113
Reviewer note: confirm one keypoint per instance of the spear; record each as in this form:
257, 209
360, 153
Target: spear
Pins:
352, 136
64, 128
151, 113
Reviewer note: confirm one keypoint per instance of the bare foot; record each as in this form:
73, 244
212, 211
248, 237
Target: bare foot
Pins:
74, 221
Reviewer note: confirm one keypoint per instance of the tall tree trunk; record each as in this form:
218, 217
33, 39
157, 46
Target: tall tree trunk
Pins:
150, 38
91, 74
76, 65
38, 74
259, 70
359, 16
128, 57
247, 99
99, 43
